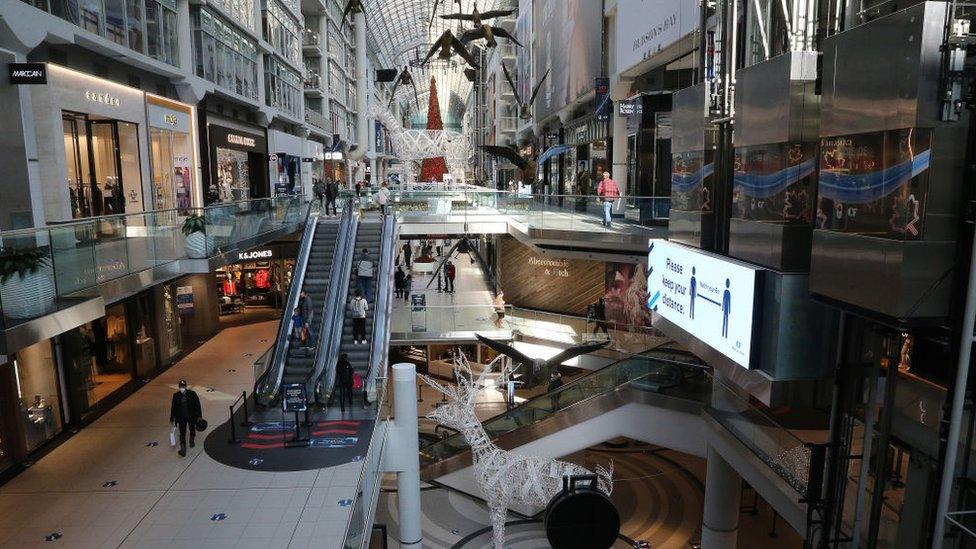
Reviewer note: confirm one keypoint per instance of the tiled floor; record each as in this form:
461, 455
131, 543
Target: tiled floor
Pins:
161, 500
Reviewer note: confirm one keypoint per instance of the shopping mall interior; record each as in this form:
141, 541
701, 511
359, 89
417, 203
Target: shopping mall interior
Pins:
460, 274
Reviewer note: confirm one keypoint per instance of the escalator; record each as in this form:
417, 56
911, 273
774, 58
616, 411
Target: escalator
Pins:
324, 244
588, 411
299, 362
377, 237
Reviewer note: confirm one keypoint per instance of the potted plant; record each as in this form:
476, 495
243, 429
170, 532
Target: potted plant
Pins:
27, 290
198, 244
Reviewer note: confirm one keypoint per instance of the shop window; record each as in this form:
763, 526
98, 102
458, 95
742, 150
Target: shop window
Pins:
115, 21
171, 170
38, 397
254, 284
134, 13
97, 360
101, 155
91, 15
172, 339
233, 176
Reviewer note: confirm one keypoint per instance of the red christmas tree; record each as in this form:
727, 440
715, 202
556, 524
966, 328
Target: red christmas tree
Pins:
433, 168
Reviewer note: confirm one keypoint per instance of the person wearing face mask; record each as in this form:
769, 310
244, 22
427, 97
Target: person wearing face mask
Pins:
185, 411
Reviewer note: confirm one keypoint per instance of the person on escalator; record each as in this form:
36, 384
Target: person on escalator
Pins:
357, 309
331, 194
364, 273
305, 306
398, 279
344, 381
383, 199
555, 382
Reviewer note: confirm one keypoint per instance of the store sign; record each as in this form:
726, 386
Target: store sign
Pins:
27, 73
630, 107
294, 399
604, 107
708, 296
104, 98
184, 299
257, 254
241, 140
666, 22
171, 119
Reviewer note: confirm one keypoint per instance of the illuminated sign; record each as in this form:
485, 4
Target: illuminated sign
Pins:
257, 254
708, 296
104, 98
27, 73
241, 140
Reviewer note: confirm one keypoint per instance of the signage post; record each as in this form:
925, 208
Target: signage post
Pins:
418, 312
295, 400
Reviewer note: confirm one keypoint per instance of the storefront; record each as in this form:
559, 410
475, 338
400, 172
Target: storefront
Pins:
587, 159
260, 279
313, 166
95, 132
238, 163
173, 154
31, 412
285, 162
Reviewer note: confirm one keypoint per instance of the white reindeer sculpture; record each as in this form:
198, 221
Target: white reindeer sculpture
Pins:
505, 478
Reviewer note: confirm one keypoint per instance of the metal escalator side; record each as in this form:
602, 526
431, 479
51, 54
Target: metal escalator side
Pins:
639, 378
382, 312
267, 385
331, 337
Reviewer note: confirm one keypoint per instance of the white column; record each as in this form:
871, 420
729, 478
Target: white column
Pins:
407, 450
362, 132
723, 488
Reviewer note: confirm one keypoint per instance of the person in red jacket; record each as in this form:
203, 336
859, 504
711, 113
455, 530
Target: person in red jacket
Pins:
608, 192
451, 272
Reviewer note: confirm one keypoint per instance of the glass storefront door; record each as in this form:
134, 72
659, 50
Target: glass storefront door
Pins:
101, 156
171, 169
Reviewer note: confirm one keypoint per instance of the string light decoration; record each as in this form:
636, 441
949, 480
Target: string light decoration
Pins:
413, 146
505, 478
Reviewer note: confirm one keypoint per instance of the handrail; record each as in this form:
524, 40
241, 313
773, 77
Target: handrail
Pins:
380, 345
344, 265
330, 333
282, 338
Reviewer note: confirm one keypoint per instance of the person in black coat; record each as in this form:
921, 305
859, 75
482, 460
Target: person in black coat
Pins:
398, 279
185, 411
343, 382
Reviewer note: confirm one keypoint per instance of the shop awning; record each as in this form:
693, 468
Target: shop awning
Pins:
553, 151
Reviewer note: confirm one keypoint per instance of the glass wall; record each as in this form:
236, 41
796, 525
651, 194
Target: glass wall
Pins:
102, 157
38, 396
242, 11
233, 176
223, 55
144, 26
284, 87
97, 360
282, 30
171, 169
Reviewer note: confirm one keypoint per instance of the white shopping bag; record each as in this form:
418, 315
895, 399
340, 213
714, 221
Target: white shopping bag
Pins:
172, 436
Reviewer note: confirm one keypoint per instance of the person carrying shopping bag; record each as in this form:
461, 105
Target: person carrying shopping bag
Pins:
184, 413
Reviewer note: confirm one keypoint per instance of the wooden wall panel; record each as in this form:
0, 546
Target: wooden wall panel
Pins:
548, 282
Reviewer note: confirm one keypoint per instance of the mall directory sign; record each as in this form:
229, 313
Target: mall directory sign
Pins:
711, 297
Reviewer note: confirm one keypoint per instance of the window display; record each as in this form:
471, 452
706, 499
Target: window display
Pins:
239, 165
254, 284
37, 393
233, 177
97, 359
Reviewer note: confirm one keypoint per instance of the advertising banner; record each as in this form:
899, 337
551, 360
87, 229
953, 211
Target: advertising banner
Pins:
184, 299
660, 24
708, 296
567, 40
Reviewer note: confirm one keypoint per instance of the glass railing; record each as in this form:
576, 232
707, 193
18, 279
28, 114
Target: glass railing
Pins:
775, 445
553, 212
51, 268
642, 373
367, 489
578, 329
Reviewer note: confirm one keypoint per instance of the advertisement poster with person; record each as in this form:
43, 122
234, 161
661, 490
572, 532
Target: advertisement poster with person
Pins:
625, 299
709, 296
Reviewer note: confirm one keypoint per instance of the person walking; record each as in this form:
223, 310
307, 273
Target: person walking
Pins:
383, 199
318, 187
364, 275
609, 193
450, 271
407, 253
331, 194
499, 305
407, 285
600, 317
344, 381
184, 412
358, 308
398, 278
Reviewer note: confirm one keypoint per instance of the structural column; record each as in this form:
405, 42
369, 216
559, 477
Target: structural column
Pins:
362, 132
406, 453
723, 487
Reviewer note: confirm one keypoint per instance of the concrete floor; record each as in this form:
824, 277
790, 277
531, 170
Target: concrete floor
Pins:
118, 483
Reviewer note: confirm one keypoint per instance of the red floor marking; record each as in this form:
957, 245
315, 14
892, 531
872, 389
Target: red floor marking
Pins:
335, 432
256, 446
266, 436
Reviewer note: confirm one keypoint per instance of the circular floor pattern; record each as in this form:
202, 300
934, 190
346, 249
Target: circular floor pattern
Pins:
265, 445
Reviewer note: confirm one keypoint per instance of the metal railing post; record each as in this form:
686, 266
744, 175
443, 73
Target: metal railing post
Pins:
233, 430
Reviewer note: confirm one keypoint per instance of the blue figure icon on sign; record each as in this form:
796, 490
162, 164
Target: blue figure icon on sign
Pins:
693, 290
726, 309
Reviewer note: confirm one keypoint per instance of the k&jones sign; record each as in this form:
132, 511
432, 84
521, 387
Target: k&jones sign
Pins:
709, 296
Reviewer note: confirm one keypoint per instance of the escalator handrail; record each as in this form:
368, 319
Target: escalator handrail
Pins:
380, 344
283, 337
606, 370
321, 345
338, 290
